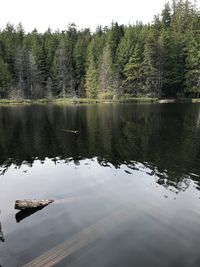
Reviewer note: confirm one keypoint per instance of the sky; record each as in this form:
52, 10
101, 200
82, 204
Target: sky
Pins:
57, 14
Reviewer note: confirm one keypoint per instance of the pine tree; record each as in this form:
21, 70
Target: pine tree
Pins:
80, 57
166, 16
149, 72
91, 80
133, 73
94, 53
60, 69
5, 79
106, 85
192, 74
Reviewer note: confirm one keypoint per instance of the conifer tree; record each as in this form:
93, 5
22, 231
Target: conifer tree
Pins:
106, 84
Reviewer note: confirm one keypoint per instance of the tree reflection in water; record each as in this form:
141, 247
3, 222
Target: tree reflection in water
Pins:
162, 140
2, 239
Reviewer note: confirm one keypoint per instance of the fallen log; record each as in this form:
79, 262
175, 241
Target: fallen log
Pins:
70, 131
31, 204
24, 213
167, 101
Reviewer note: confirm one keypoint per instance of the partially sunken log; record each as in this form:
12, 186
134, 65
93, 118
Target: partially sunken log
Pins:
70, 131
31, 204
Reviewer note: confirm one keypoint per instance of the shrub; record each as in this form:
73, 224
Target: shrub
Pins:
106, 95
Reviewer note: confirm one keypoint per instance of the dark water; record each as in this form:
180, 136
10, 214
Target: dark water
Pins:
127, 188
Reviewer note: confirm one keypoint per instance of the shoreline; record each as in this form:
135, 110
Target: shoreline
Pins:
65, 101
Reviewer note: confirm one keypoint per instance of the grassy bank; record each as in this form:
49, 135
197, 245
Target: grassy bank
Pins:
65, 101
22, 101
99, 100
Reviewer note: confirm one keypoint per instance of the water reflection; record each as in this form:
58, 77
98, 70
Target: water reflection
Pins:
162, 138
137, 159
23, 214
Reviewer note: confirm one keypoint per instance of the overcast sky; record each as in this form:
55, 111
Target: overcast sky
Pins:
84, 13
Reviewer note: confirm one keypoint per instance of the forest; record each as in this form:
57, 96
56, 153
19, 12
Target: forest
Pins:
159, 59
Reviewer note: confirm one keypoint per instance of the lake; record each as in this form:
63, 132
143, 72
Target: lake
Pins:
126, 188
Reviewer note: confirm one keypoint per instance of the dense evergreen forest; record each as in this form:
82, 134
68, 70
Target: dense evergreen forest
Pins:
161, 59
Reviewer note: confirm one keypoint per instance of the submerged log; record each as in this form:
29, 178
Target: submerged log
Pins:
81, 239
31, 204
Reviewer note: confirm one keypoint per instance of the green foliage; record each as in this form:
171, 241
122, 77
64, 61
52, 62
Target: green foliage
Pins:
133, 72
166, 16
106, 95
106, 78
5, 79
91, 81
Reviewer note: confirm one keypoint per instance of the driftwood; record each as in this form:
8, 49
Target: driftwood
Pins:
31, 204
70, 131
166, 101
24, 213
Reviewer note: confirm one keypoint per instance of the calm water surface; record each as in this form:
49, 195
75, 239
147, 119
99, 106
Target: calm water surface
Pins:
126, 189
